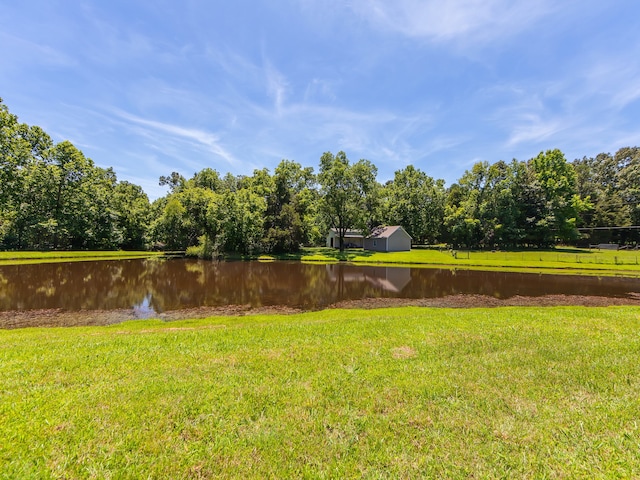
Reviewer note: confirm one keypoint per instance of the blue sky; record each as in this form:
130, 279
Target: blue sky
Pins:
151, 87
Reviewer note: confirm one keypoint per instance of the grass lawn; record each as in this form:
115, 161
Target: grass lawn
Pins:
22, 257
391, 393
560, 260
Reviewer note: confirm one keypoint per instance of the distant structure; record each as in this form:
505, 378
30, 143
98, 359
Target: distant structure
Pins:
352, 239
382, 239
625, 236
388, 239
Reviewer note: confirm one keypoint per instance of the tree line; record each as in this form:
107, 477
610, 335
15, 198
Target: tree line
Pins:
53, 197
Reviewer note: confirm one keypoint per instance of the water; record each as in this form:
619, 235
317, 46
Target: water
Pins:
144, 288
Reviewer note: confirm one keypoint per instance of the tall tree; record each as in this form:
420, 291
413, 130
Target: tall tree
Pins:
242, 218
598, 179
133, 212
344, 193
628, 162
557, 180
288, 215
416, 202
22, 148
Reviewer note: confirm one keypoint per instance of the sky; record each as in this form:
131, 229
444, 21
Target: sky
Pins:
155, 86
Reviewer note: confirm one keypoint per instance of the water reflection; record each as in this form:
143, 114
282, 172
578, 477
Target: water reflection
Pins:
390, 279
149, 287
144, 309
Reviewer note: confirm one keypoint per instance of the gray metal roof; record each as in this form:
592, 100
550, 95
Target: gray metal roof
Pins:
385, 232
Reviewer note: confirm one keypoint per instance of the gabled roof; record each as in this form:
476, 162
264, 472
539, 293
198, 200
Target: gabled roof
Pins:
386, 232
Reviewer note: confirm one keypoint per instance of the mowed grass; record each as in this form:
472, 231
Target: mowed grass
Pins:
559, 260
24, 257
392, 393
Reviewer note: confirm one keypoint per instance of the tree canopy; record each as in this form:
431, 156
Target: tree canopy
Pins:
53, 197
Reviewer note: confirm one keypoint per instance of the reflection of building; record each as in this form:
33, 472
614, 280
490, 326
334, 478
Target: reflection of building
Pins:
390, 279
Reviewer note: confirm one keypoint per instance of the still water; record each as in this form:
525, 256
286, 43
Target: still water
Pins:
152, 286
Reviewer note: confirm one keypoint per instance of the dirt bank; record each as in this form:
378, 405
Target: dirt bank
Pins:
61, 318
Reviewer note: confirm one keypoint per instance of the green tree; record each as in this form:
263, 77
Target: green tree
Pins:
185, 217
461, 217
207, 178
628, 162
416, 202
289, 209
598, 179
241, 216
133, 211
346, 193
175, 182
71, 199
21, 148
52, 196
557, 181
168, 228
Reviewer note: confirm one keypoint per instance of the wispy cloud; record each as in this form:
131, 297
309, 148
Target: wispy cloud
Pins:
276, 86
439, 84
472, 20
319, 89
583, 108
206, 139
613, 77
28, 52
534, 129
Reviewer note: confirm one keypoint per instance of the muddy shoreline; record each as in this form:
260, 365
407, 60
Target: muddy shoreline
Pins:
61, 318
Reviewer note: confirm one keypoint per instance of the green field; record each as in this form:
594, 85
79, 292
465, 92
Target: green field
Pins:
22, 257
559, 260
391, 393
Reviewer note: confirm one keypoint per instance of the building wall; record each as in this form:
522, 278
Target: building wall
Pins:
400, 241
357, 241
332, 236
375, 244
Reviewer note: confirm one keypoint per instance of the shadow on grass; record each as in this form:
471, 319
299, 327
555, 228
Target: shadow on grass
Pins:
578, 251
335, 254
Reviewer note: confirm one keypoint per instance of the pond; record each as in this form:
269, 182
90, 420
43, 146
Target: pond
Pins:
109, 291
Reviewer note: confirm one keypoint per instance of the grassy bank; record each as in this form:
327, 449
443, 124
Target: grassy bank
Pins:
398, 393
560, 260
20, 257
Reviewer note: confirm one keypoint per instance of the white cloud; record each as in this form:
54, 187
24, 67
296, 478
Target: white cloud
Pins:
615, 77
234, 65
581, 109
276, 86
473, 20
208, 140
19, 51
533, 128
319, 89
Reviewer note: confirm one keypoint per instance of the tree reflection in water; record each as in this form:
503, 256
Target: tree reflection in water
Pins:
155, 285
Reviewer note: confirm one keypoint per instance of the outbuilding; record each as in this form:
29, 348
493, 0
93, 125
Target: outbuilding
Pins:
352, 239
388, 239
